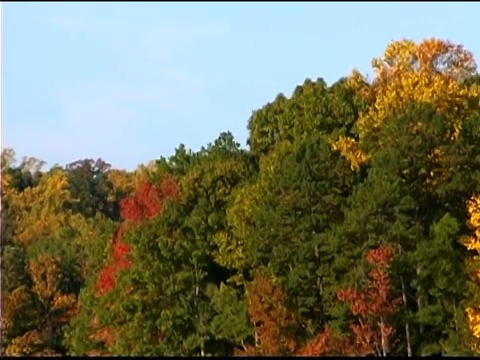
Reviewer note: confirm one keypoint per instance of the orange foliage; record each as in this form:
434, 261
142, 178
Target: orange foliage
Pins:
374, 305
95, 353
273, 322
326, 344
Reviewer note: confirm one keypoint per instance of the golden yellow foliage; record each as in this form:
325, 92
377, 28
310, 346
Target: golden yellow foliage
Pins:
12, 306
26, 344
231, 244
350, 149
65, 306
41, 209
46, 352
473, 243
6, 182
46, 278
430, 71
8, 156
51, 309
124, 183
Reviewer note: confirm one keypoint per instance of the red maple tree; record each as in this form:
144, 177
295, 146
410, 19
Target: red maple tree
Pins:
147, 202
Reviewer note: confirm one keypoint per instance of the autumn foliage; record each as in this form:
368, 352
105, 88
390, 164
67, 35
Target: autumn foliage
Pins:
147, 202
349, 226
273, 323
373, 305
327, 344
430, 71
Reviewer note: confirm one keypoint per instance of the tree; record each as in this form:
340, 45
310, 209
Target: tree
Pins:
430, 72
472, 243
415, 201
48, 303
91, 186
274, 325
41, 209
374, 305
146, 203
314, 107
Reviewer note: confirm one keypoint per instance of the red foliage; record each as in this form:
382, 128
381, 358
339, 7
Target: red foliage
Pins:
149, 199
147, 202
106, 278
121, 250
374, 305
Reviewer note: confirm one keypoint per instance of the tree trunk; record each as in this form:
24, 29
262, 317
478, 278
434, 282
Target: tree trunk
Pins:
419, 300
407, 325
319, 279
384, 342
254, 325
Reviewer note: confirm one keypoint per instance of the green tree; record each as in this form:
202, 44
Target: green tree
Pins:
295, 224
90, 185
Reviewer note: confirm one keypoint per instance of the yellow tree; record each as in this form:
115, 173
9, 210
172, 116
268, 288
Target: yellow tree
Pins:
231, 244
16, 312
7, 188
231, 241
8, 156
54, 308
41, 209
124, 183
62, 249
431, 71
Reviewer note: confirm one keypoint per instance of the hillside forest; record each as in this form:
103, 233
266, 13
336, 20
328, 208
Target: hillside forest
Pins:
349, 225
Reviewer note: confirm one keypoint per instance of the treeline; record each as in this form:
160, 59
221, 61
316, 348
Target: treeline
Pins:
350, 226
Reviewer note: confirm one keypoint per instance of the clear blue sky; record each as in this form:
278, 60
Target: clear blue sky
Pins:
128, 82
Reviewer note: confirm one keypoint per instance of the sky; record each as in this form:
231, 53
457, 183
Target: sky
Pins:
128, 82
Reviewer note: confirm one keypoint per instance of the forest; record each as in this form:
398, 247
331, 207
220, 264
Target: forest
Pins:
349, 225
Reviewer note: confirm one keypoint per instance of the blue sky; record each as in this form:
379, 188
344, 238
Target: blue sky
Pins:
128, 82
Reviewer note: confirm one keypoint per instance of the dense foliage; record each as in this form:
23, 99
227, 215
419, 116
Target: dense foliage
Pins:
350, 226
